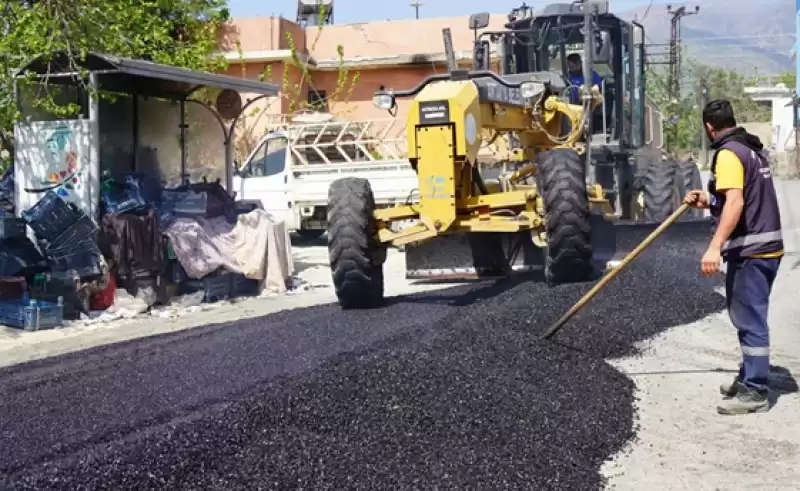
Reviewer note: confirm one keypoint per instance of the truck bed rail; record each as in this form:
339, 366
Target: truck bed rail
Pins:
338, 142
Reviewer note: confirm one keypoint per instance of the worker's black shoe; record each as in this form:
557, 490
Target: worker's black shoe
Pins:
746, 401
730, 390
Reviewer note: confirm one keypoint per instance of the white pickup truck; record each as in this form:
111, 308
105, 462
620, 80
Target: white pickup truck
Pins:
293, 166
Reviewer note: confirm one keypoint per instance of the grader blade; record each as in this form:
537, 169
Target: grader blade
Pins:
473, 255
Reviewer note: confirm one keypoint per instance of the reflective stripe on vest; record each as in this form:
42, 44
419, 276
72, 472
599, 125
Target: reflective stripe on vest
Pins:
754, 239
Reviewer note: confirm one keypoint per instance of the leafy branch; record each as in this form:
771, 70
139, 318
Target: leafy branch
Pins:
175, 32
295, 93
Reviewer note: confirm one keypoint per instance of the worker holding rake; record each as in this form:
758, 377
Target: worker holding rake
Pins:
747, 236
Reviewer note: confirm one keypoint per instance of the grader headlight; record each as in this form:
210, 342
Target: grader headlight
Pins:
529, 90
383, 100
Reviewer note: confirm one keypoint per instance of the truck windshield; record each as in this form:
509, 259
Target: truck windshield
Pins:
269, 159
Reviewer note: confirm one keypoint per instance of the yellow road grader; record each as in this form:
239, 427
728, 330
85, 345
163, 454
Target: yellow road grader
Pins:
551, 211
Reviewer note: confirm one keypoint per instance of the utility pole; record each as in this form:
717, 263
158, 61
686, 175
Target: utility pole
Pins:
675, 49
704, 97
416, 6
674, 87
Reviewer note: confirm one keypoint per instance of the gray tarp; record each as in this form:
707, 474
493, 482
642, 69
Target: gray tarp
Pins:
255, 246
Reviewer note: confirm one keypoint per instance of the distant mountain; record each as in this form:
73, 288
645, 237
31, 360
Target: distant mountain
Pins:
743, 35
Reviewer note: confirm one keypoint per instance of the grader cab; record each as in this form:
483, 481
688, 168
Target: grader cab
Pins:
550, 211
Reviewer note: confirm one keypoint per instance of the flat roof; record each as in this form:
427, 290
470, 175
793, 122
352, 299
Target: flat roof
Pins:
139, 77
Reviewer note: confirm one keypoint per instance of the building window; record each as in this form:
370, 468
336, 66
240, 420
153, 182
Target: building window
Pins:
318, 100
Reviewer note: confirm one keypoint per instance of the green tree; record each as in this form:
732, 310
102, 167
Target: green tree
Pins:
788, 78
683, 128
295, 80
174, 32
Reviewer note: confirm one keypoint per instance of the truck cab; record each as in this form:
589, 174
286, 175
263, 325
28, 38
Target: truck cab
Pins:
290, 170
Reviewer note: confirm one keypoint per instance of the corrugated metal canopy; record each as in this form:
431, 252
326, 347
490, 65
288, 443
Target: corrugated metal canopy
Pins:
142, 77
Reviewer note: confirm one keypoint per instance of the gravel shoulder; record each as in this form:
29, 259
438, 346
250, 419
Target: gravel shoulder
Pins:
682, 444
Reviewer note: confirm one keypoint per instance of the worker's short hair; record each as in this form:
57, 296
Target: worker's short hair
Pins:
719, 114
574, 58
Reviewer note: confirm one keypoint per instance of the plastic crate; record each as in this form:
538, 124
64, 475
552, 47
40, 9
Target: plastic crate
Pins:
79, 232
83, 257
51, 287
12, 228
20, 257
13, 288
121, 202
51, 216
32, 315
184, 203
215, 287
242, 286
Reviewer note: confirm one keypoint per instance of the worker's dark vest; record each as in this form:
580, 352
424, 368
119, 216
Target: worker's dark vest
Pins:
759, 228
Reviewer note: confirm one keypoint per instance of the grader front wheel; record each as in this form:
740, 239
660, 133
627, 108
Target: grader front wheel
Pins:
356, 256
562, 184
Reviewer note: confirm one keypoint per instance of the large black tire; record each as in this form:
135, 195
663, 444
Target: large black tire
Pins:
356, 256
688, 179
561, 176
660, 190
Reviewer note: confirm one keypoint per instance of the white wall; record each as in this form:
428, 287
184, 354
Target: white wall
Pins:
782, 113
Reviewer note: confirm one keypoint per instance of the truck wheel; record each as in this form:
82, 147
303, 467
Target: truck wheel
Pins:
660, 193
356, 256
688, 179
562, 184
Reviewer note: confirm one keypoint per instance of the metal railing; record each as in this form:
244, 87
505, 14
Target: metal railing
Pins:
343, 142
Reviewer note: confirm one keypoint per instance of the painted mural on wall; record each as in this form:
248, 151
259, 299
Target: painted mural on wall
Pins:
62, 163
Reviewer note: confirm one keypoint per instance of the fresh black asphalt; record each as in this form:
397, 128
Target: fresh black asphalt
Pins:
444, 390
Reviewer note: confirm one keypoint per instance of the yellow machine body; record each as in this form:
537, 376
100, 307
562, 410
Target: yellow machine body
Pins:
446, 128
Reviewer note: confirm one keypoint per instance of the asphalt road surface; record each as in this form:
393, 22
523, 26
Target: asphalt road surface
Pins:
444, 390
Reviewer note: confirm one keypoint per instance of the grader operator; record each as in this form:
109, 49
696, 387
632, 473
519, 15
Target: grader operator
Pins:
544, 213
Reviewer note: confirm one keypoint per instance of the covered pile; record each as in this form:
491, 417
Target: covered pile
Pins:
154, 243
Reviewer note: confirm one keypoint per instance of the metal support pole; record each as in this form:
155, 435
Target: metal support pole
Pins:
450, 54
94, 159
229, 168
135, 111
796, 111
703, 136
588, 70
797, 88
184, 175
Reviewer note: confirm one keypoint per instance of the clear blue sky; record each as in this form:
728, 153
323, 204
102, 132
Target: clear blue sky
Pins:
347, 11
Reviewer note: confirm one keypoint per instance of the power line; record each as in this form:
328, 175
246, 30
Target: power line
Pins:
732, 38
646, 12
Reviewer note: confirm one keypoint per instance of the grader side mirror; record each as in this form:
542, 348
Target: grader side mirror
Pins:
602, 48
479, 21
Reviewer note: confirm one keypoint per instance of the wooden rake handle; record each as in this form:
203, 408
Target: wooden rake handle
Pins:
614, 272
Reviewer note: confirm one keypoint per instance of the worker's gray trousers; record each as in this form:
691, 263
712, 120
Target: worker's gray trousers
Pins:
748, 284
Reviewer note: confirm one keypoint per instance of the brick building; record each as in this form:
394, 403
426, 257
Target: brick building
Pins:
395, 54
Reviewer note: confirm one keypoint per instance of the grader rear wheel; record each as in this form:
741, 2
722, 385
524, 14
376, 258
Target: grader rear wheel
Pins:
660, 194
688, 178
356, 256
562, 182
